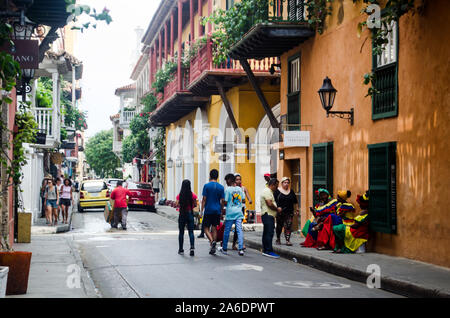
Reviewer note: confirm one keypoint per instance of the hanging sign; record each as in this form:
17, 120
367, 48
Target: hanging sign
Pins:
25, 52
297, 139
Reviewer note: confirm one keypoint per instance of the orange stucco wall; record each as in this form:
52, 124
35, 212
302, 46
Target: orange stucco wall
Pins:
421, 129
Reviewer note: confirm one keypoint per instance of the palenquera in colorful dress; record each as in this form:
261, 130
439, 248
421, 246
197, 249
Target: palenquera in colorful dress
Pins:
344, 213
325, 209
349, 238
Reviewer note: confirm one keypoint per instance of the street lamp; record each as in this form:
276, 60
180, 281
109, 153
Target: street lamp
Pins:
327, 94
23, 30
170, 163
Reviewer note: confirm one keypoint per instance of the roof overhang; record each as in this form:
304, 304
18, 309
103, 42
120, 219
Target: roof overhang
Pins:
205, 84
175, 108
271, 40
49, 12
157, 22
143, 59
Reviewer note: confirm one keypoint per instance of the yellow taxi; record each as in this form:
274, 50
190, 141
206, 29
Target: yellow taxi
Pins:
93, 194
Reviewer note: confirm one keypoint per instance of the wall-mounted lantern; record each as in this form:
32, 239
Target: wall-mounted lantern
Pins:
170, 163
327, 94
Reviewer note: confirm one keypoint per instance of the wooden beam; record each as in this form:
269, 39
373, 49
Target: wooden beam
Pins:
172, 28
229, 109
191, 18
200, 14
180, 34
259, 93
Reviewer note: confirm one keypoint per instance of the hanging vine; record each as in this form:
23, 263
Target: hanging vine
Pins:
392, 11
231, 25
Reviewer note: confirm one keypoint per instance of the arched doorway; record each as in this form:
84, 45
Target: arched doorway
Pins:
170, 167
266, 160
188, 152
178, 159
226, 139
201, 127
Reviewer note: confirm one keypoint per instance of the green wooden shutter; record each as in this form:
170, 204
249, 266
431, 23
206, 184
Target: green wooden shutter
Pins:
293, 118
385, 102
322, 168
382, 187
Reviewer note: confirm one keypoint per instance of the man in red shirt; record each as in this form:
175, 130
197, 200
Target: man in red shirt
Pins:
119, 195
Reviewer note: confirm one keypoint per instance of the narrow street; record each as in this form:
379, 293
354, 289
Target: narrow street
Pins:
143, 262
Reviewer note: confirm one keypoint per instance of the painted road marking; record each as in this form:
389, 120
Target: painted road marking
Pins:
242, 267
312, 285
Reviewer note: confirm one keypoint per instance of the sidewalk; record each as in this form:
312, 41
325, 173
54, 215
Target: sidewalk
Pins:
55, 270
41, 227
398, 275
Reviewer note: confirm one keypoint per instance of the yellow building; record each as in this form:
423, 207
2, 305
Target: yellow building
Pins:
211, 112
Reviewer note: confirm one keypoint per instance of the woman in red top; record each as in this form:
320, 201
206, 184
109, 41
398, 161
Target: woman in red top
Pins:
187, 201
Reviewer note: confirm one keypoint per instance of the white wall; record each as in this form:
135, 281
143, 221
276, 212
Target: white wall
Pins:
33, 174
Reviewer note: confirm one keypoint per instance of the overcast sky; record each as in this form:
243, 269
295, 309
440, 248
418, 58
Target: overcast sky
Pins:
107, 55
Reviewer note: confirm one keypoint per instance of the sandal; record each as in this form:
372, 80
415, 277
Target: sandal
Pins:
288, 243
321, 248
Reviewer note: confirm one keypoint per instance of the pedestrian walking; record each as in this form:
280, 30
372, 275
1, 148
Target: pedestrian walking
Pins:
269, 211
187, 201
52, 202
59, 184
66, 199
287, 200
238, 181
120, 211
42, 195
212, 206
155, 185
234, 197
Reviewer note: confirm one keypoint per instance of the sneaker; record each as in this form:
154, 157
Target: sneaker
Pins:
213, 248
191, 253
241, 252
271, 254
224, 252
181, 252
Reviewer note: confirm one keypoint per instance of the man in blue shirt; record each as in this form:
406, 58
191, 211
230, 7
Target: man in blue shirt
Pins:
234, 198
212, 206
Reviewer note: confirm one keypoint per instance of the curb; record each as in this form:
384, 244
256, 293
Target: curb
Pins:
389, 284
87, 282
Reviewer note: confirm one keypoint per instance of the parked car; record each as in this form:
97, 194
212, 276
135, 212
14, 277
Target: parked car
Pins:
142, 196
112, 183
93, 194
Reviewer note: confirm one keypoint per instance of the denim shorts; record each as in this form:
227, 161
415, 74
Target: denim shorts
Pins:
65, 202
52, 203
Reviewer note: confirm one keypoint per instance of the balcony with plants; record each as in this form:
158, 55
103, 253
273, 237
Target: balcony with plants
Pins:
207, 65
265, 28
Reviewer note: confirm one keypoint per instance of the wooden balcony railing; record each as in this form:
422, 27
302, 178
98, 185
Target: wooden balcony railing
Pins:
286, 11
44, 119
49, 122
203, 61
172, 87
126, 117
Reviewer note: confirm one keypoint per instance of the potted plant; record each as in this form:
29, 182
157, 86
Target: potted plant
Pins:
18, 262
3, 280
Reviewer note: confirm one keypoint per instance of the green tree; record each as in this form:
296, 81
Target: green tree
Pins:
100, 157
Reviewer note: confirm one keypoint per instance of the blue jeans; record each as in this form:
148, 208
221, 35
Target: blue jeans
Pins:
183, 220
268, 232
227, 230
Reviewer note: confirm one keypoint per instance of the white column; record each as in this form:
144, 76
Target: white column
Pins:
55, 105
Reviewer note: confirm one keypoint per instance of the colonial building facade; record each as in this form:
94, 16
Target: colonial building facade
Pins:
261, 113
